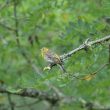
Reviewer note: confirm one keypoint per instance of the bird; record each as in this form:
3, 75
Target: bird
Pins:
52, 58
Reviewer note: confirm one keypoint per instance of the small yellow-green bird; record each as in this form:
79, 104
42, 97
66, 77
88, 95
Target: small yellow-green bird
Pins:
51, 58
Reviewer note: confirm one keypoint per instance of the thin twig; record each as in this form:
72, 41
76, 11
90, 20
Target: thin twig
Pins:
2, 6
5, 5
94, 73
88, 76
103, 66
109, 55
10, 101
7, 27
16, 21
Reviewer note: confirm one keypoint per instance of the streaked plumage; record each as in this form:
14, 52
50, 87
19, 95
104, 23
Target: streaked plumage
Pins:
51, 57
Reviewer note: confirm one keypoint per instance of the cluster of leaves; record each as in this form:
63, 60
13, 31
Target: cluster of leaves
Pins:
60, 25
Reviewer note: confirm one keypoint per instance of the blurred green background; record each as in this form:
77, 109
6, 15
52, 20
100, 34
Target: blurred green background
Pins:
60, 25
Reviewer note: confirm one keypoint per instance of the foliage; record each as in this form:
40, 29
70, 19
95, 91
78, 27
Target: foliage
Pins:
60, 25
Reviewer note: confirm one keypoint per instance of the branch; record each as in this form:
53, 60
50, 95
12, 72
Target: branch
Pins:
90, 76
10, 101
84, 46
52, 99
7, 27
109, 55
16, 21
7, 3
92, 105
33, 93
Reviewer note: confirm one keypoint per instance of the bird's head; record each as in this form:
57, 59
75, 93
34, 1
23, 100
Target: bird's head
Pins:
44, 50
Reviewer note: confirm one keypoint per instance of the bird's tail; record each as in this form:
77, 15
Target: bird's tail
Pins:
62, 68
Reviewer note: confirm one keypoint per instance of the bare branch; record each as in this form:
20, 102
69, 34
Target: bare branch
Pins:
33, 93
53, 98
83, 46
